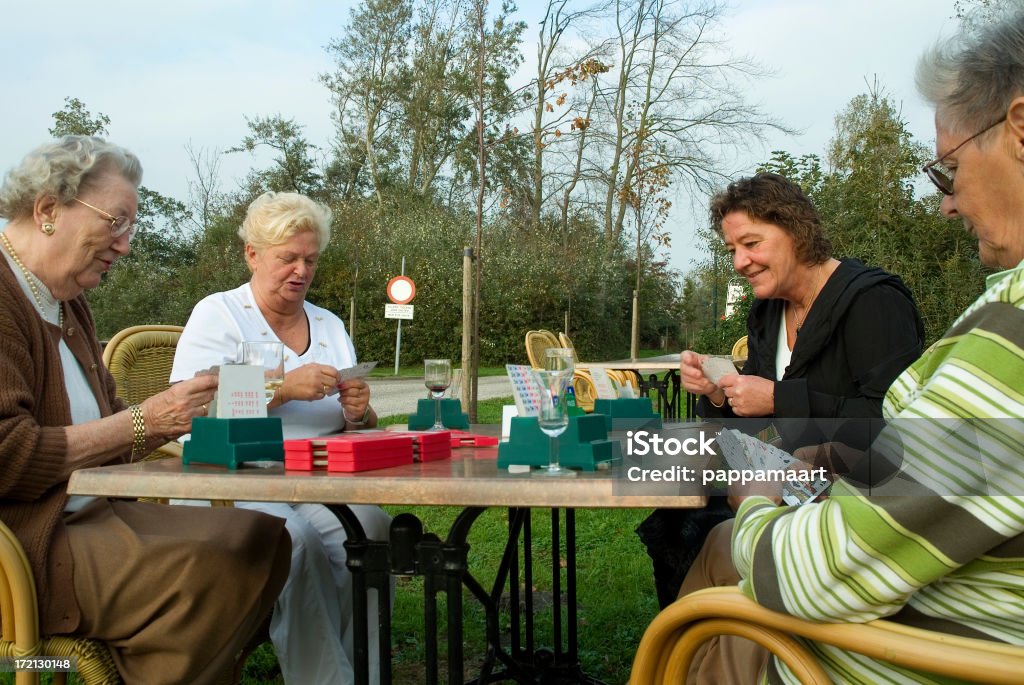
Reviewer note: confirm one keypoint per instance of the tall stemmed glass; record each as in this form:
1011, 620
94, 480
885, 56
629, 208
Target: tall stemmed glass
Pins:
553, 417
437, 376
269, 355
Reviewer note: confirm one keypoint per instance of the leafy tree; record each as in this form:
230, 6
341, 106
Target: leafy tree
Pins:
370, 75
75, 119
870, 209
294, 165
979, 12
436, 103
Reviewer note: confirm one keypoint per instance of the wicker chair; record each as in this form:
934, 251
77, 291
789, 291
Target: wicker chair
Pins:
582, 384
739, 353
564, 341
19, 624
671, 640
140, 360
536, 343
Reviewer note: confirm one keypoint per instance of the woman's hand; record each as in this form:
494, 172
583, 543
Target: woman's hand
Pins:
308, 382
169, 414
355, 400
694, 381
749, 395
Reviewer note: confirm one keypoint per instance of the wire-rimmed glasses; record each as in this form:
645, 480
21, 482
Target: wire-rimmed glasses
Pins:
942, 178
119, 225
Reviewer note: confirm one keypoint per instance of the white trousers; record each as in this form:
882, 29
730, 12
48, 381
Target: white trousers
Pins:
316, 602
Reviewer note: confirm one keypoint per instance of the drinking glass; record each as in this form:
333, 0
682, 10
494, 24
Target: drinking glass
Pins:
270, 356
553, 417
437, 376
560, 359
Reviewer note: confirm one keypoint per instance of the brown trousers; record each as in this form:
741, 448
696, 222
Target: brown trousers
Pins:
723, 660
175, 592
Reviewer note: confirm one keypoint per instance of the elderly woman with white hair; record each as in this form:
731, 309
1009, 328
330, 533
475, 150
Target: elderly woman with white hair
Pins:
283, 234
174, 593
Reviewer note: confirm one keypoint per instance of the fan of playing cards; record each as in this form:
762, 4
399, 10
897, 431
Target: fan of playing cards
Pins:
744, 452
716, 367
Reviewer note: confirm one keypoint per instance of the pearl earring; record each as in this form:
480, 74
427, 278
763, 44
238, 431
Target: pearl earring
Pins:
47, 228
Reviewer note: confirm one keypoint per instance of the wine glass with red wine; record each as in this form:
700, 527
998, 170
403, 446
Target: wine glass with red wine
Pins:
437, 376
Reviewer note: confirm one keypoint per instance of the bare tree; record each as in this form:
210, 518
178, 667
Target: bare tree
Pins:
675, 84
204, 185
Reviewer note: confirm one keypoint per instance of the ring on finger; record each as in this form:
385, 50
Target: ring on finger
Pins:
325, 389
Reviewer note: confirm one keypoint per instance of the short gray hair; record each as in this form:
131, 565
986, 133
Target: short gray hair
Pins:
273, 218
62, 169
971, 78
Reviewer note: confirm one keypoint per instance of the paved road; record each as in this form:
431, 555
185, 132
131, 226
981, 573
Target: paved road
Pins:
399, 395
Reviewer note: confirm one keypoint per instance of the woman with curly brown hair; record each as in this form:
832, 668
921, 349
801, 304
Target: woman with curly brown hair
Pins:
826, 337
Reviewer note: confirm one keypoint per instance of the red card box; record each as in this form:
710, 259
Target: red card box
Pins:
349, 453
368, 463
464, 439
430, 445
304, 464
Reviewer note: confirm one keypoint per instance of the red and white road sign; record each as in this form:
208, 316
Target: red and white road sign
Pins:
401, 290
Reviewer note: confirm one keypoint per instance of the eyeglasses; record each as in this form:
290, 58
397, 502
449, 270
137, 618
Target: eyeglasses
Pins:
119, 225
943, 178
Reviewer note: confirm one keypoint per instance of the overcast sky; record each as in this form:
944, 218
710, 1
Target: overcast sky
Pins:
167, 73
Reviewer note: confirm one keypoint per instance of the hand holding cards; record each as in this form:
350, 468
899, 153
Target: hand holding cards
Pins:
361, 370
756, 461
716, 367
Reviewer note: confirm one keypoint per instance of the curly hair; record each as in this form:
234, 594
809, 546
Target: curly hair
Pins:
774, 199
62, 169
273, 218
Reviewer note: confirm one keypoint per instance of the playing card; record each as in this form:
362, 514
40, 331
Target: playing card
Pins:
361, 370
716, 367
799, 492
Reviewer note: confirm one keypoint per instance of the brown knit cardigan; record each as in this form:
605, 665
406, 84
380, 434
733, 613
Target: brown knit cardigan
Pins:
34, 409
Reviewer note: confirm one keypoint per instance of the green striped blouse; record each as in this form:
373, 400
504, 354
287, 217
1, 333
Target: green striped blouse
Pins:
951, 561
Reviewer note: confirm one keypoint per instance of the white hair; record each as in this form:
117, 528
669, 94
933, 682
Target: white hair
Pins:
62, 169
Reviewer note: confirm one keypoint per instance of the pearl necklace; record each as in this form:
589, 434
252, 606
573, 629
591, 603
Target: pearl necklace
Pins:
31, 278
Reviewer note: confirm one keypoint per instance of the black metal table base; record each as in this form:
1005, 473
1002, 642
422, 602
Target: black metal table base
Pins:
443, 565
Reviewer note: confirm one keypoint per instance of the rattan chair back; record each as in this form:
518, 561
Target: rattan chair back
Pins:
140, 360
536, 344
739, 353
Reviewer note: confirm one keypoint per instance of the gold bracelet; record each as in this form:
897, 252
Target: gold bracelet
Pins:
138, 431
717, 406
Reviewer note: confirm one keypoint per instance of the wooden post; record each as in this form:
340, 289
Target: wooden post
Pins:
634, 338
467, 324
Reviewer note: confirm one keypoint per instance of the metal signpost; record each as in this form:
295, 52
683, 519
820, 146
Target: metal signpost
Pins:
400, 291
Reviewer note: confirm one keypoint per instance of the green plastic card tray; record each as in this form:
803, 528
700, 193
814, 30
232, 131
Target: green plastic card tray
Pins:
229, 442
584, 444
451, 415
628, 413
